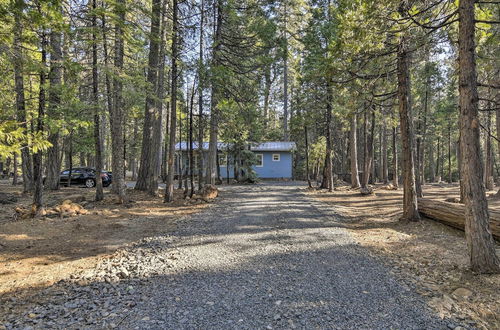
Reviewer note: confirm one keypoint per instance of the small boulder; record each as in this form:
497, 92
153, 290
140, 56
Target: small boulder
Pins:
366, 191
209, 192
462, 293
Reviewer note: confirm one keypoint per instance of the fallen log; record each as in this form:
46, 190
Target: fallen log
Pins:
453, 214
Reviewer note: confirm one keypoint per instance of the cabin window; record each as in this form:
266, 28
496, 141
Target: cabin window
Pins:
222, 160
260, 160
276, 157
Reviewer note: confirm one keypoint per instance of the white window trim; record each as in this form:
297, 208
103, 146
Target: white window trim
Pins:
262, 157
277, 160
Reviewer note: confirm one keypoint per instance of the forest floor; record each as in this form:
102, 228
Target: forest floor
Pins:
264, 256
431, 255
271, 255
35, 253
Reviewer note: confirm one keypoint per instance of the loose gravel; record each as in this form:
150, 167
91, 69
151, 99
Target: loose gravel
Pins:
264, 257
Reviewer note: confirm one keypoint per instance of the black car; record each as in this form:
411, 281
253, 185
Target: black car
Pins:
84, 175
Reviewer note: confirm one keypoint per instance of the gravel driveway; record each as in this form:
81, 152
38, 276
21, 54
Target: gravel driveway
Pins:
264, 257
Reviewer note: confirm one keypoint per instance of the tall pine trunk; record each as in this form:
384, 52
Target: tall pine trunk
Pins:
191, 151
307, 157
395, 170
450, 174
37, 157
159, 134
18, 63
488, 168
55, 80
480, 242
214, 115
410, 204
285, 76
385, 166
99, 194
117, 114
329, 149
169, 190
368, 148
201, 81
354, 152
146, 179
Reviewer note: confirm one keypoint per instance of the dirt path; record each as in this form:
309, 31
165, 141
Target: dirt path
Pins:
266, 256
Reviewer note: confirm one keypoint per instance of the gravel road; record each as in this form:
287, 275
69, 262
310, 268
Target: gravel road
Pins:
264, 257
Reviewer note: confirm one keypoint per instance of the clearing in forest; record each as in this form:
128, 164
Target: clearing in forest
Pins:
263, 256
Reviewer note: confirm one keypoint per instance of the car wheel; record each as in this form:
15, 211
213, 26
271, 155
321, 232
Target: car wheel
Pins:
89, 183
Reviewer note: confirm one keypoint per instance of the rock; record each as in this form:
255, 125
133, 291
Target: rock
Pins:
462, 293
123, 273
366, 191
209, 192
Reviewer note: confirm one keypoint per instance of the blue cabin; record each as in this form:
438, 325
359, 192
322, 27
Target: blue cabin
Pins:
275, 159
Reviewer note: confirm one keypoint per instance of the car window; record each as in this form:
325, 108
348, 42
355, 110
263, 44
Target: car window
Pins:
78, 171
65, 172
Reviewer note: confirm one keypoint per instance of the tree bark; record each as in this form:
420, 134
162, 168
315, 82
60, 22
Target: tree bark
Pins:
191, 151
488, 168
146, 180
424, 129
267, 92
180, 156
307, 157
214, 116
286, 135
395, 175
452, 214
99, 194
368, 142
480, 242
432, 163
169, 190
117, 114
70, 157
380, 160
14, 176
55, 79
37, 157
329, 151
18, 63
354, 152
201, 81
410, 204
385, 170
450, 174
438, 159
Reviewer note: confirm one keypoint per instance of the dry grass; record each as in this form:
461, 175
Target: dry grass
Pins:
35, 253
429, 254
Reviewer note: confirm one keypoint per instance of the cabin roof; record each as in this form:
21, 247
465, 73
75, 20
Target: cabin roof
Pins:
274, 146
264, 146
